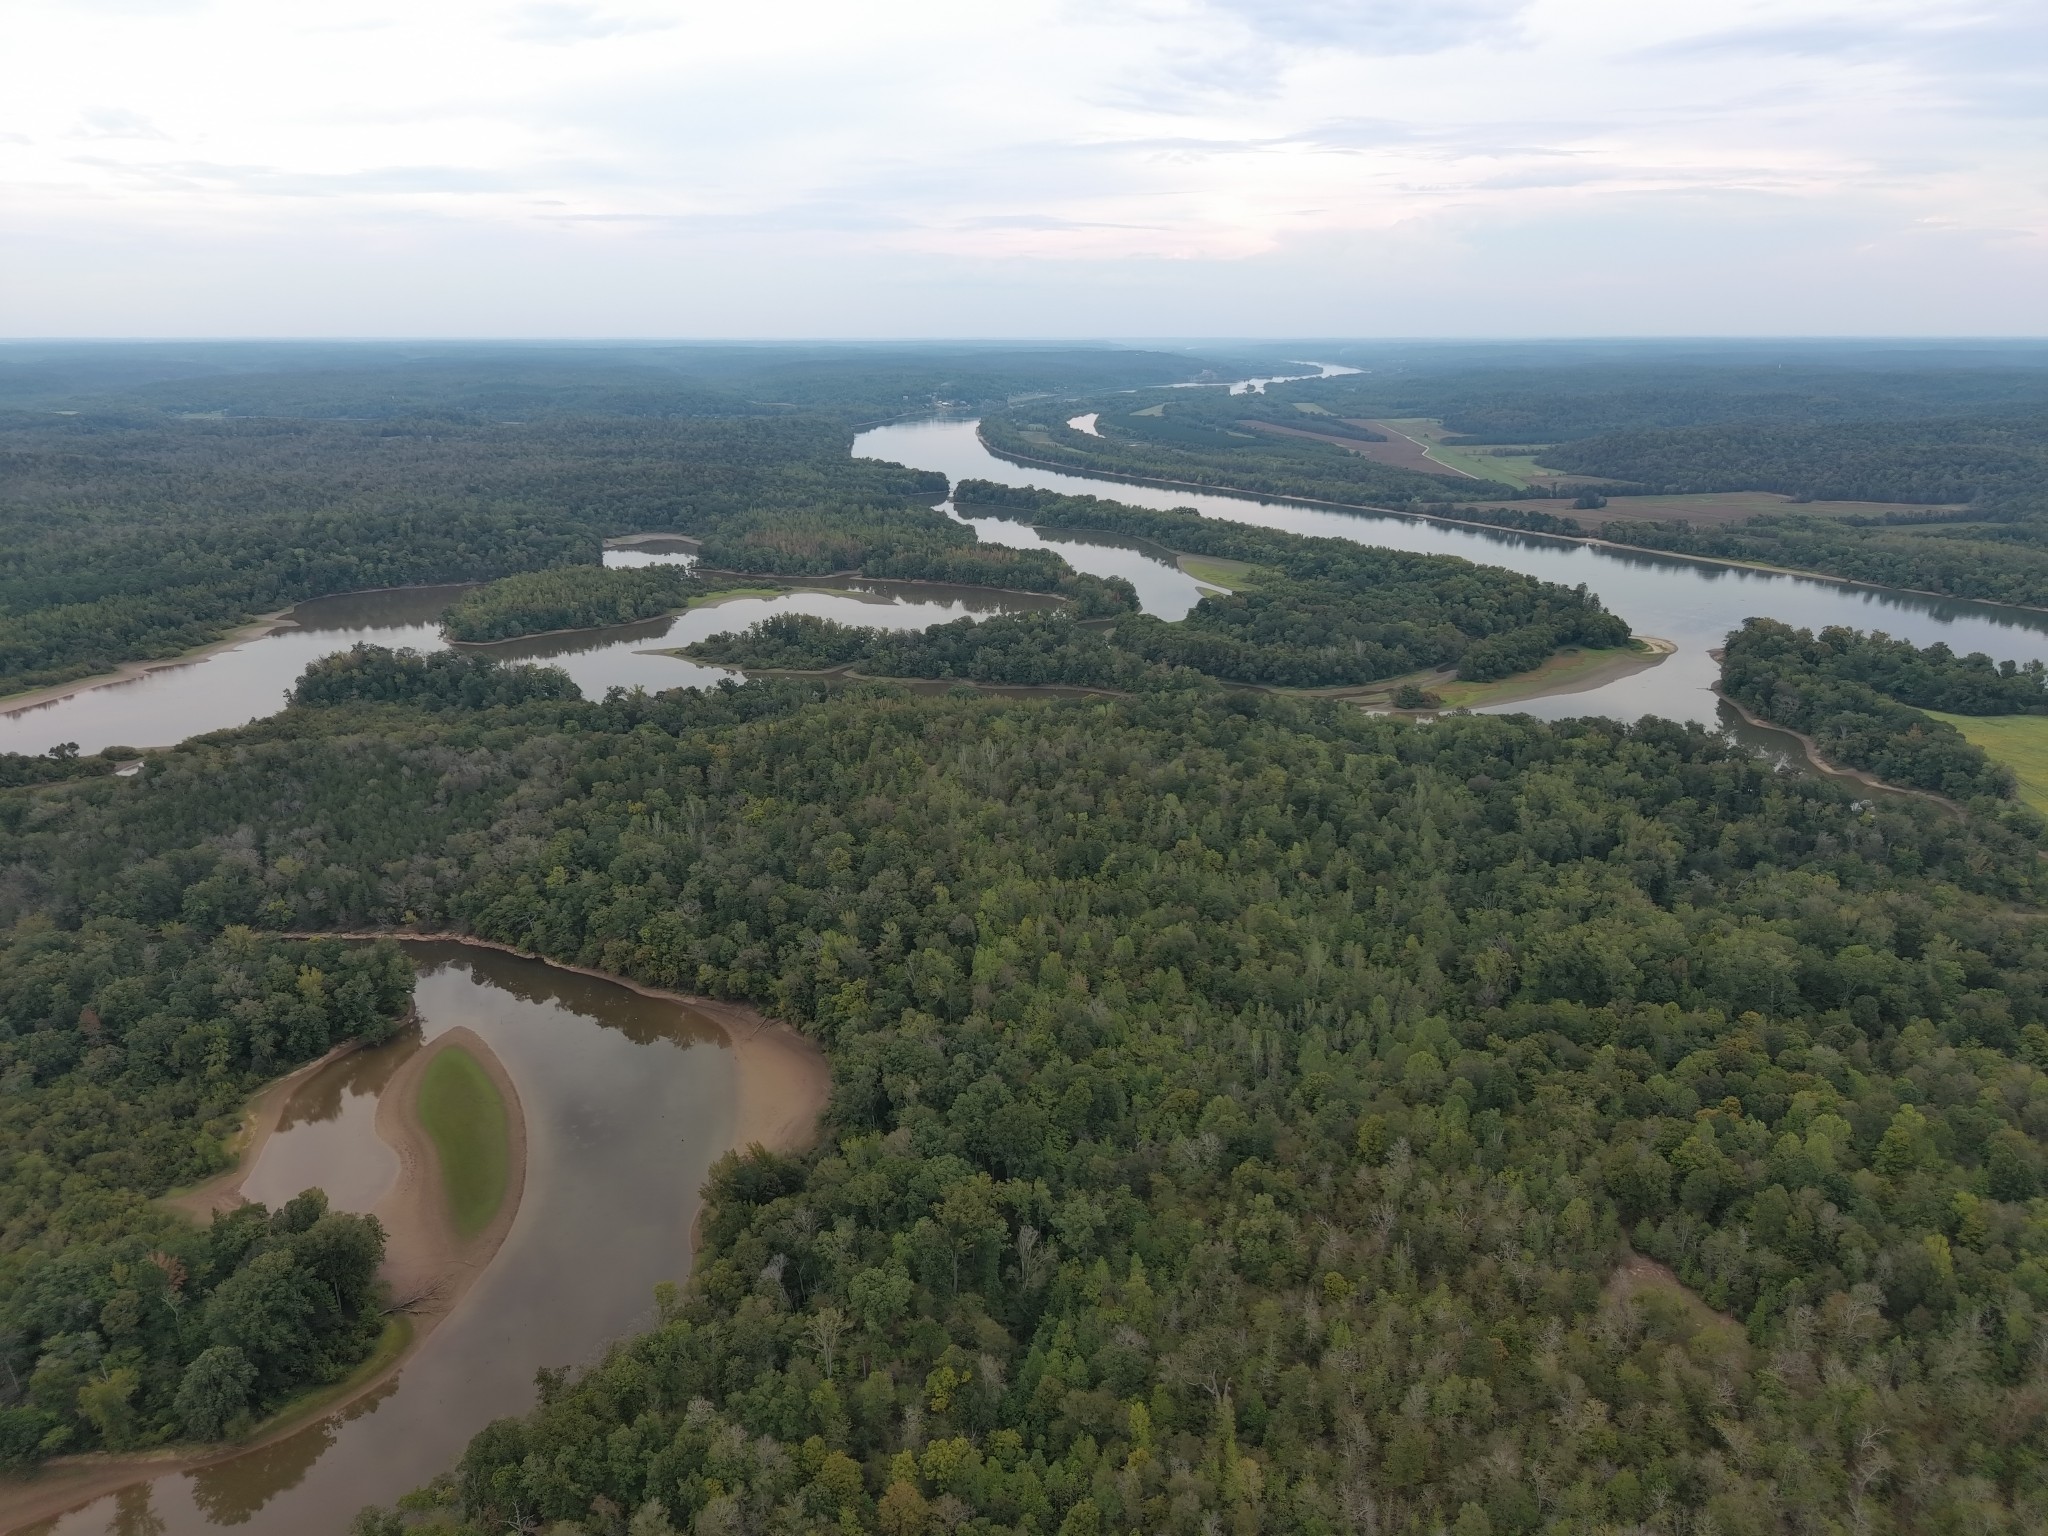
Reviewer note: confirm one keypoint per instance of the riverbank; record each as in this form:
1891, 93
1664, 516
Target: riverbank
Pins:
1591, 540
1821, 765
429, 1267
1569, 671
782, 1085
129, 671
706, 600
784, 1082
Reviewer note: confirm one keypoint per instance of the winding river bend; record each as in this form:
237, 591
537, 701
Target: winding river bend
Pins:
236, 684
1691, 603
628, 1100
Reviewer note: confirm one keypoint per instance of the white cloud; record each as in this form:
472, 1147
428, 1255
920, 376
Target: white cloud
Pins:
1026, 157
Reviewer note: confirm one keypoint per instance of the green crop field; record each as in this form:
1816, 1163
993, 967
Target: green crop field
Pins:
2018, 741
465, 1115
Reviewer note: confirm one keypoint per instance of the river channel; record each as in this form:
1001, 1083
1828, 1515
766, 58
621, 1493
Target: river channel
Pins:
627, 1101
1691, 603
248, 681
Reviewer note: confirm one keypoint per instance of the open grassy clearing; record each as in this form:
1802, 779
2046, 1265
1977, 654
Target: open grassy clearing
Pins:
1231, 575
2020, 742
463, 1113
1429, 434
1573, 670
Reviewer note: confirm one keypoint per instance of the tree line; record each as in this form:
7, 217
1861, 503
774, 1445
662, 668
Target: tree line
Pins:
1978, 459
571, 597
1853, 694
1240, 1103
127, 1053
133, 535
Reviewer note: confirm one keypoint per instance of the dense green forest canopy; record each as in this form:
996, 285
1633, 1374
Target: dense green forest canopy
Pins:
2000, 462
1240, 1105
1248, 1114
126, 1053
1854, 693
125, 535
1323, 613
511, 381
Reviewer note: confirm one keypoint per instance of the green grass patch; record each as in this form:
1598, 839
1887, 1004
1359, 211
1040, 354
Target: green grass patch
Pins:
728, 594
1231, 575
2020, 742
464, 1113
1571, 670
1519, 469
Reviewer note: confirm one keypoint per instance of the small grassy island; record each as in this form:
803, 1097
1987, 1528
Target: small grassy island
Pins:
464, 1115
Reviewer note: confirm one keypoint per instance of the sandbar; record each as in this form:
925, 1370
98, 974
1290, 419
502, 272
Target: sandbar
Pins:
783, 1086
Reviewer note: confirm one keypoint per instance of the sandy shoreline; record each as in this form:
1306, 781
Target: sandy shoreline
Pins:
129, 671
1833, 770
1595, 540
223, 1192
427, 1265
783, 1086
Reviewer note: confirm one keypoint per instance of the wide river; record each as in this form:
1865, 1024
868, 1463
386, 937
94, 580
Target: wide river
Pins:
1690, 603
626, 1100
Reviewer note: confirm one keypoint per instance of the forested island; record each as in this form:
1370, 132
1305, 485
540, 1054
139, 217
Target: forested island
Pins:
1864, 700
1324, 613
1248, 1113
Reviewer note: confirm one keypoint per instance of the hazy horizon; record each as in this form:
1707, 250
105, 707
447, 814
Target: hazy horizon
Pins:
1392, 169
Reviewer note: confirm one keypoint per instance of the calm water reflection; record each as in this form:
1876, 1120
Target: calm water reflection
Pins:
1691, 604
327, 1135
627, 1101
251, 680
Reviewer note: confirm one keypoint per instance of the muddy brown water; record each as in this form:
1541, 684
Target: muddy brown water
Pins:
248, 681
628, 1100
1691, 603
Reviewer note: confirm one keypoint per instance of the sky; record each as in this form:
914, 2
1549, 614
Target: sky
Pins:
1027, 168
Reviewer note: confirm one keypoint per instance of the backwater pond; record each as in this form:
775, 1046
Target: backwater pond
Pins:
248, 681
627, 1101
